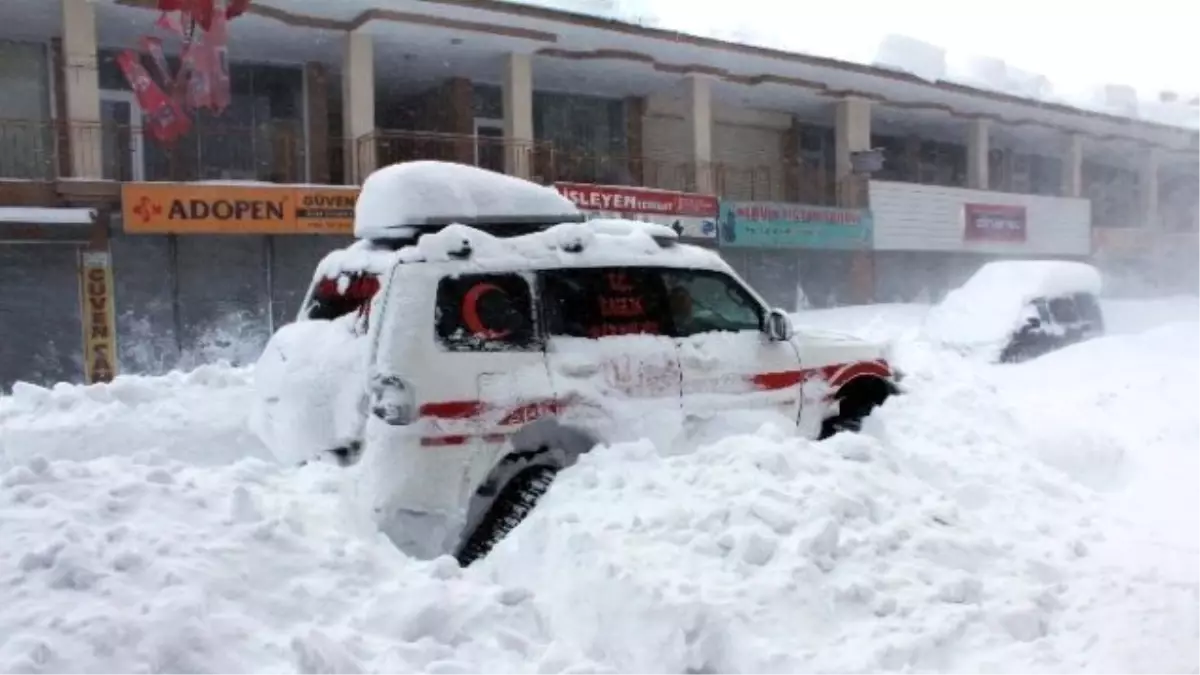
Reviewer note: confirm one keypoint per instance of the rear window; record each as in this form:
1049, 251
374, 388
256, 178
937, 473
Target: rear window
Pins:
336, 297
605, 301
486, 312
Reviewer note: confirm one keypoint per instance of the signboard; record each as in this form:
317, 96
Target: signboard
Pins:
691, 215
993, 223
778, 225
98, 316
191, 208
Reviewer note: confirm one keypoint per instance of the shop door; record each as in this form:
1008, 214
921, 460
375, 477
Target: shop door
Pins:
41, 338
121, 138
489, 144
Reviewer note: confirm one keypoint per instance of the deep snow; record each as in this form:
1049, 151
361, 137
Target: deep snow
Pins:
1036, 518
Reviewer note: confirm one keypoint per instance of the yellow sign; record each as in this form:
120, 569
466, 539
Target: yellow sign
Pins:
196, 208
97, 316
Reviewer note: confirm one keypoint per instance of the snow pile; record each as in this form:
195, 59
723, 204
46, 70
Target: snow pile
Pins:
361, 256
1033, 518
981, 315
198, 417
397, 198
308, 389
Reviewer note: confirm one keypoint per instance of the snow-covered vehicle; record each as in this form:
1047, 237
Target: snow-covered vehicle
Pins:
494, 356
1015, 310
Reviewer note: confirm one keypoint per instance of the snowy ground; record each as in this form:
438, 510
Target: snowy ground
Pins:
1033, 518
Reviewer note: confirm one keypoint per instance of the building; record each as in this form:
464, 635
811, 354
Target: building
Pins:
321, 99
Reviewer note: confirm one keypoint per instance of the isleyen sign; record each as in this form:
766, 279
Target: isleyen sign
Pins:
780, 225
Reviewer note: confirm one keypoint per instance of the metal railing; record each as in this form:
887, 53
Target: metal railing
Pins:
543, 162
276, 152
46, 150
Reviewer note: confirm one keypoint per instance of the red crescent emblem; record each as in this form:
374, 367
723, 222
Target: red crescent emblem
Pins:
470, 311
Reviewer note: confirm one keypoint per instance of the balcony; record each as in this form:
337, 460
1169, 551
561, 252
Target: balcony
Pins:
49, 150
547, 164
278, 152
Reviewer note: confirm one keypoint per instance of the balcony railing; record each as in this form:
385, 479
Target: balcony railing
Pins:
276, 152
45, 150
545, 163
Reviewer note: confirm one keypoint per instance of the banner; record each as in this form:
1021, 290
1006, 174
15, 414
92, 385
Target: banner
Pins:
190, 208
691, 215
993, 222
98, 316
778, 225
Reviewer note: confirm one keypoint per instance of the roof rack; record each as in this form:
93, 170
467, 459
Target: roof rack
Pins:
404, 201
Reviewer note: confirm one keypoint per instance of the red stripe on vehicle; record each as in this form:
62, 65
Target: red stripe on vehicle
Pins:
453, 410
844, 373
836, 374
783, 379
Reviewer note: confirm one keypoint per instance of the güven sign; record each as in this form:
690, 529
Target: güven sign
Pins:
994, 223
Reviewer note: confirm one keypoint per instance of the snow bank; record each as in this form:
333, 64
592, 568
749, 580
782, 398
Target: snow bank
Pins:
308, 389
1034, 518
980, 315
396, 198
198, 417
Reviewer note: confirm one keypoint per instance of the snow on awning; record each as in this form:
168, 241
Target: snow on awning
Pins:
45, 225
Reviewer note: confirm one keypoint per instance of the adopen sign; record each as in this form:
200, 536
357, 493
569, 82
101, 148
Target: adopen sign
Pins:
692, 215
993, 222
184, 208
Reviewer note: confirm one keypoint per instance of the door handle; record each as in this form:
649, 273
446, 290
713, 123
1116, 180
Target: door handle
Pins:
579, 368
699, 362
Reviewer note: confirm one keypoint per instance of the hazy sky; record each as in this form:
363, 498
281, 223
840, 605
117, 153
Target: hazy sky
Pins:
1150, 44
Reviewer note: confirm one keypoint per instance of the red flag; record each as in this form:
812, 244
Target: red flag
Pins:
165, 120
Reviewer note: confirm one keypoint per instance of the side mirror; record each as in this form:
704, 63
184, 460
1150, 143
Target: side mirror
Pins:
778, 326
1033, 322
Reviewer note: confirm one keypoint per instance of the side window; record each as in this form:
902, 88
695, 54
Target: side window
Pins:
704, 301
604, 301
1063, 310
485, 312
1088, 308
1043, 310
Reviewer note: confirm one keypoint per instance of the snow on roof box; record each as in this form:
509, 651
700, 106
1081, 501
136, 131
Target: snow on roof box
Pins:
403, 200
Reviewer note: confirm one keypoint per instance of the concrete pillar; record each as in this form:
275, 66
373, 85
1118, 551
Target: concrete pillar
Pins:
518, 115
316, 107
1072, 166
697, 113
978, 149
635, 121
852, 133
82, 74
1148, 188
358, 107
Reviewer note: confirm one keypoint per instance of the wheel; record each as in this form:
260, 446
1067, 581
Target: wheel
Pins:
855, 403
512, 505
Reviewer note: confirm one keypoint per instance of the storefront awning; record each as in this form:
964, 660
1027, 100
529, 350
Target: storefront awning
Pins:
45, 225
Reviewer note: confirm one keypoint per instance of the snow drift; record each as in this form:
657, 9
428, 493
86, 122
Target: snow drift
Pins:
1034, 518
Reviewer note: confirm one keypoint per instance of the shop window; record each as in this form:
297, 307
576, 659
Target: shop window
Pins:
26, 136
486, 312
